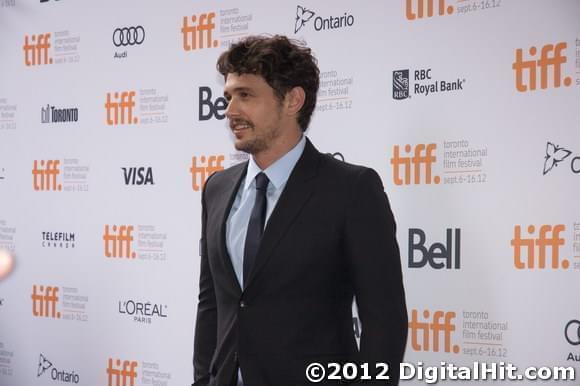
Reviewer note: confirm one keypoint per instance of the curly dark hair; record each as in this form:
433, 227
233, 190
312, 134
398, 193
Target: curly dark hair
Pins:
282, 62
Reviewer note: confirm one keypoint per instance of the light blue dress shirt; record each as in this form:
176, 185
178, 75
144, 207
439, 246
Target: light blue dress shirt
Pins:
239, 216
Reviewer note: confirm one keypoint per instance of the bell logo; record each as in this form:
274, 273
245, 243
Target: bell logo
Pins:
415, 9
44, 175
551, 56
193, 35
120, 109
430, 331
549, 237
439, 255
121, 373
424, 155
44, 300
208, 166
118, 242
215, 108
36, 50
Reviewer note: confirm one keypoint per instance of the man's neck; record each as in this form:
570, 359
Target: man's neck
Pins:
267, 157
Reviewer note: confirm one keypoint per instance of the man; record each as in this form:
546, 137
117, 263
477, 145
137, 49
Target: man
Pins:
289, 237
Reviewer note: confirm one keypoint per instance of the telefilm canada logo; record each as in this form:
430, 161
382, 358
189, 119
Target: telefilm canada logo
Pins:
45, 366
321, 23
556, 155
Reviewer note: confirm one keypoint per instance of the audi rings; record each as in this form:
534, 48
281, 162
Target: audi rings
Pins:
128, 36
572, 332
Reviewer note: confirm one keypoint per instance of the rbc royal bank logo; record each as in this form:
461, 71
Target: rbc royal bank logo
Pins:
400, 84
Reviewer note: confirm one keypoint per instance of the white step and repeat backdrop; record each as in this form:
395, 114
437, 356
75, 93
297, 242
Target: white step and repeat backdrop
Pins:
111, 119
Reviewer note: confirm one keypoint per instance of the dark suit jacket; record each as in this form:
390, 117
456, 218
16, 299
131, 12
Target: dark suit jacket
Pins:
331, 236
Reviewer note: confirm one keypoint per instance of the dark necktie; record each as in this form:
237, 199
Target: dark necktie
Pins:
256, 225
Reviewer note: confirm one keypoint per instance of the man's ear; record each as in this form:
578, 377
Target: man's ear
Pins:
295, 100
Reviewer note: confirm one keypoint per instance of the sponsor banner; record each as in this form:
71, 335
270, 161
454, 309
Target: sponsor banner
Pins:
215, 29
60, 47
546, 246
6, 359
471, 333
7, 236
132, 372
141, 242
61, 303
67, 175
8, 113
463, 162
144, 107
48, 371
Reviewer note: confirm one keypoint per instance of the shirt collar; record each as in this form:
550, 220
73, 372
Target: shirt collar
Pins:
280, 170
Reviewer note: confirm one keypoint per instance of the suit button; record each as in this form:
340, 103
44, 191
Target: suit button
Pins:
243, 304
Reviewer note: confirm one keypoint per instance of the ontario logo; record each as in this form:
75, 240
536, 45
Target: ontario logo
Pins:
304, 15
555, 155
44, 365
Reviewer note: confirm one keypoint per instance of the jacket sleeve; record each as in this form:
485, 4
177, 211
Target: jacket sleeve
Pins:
206, 321
375, 265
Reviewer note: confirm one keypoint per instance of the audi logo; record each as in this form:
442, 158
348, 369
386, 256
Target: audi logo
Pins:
128, 36
572, 332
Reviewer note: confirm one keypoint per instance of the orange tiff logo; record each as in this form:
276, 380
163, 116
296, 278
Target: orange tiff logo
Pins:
44, 175
551, 57
536, 248
36, 49
118, 241
120, 108
121, 373
44, 300
201, 172
194, 34
431, 330
422, 162
415, 9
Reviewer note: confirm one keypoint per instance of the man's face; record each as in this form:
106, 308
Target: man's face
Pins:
254, 112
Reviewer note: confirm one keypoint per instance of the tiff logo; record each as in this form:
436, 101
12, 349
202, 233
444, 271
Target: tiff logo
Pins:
193, 35
208, 166
44, 175
415, 9
431, 330
422, 162
118, 241
120, 112
549, 237
551, 57
44, 300
121, 374
36, 49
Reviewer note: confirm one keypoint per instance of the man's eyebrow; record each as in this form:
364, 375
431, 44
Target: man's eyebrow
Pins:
237, 89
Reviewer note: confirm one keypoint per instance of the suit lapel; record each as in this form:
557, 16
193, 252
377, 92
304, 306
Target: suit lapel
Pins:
226, 200
296, 193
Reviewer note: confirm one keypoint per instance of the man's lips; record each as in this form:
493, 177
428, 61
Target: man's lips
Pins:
240, 126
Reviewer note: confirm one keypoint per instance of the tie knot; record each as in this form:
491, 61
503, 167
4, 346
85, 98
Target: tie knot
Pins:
262, 181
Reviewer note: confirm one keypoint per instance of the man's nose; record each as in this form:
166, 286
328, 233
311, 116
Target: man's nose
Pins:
231, 109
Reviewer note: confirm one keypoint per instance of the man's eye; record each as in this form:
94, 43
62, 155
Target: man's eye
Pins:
244, 94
